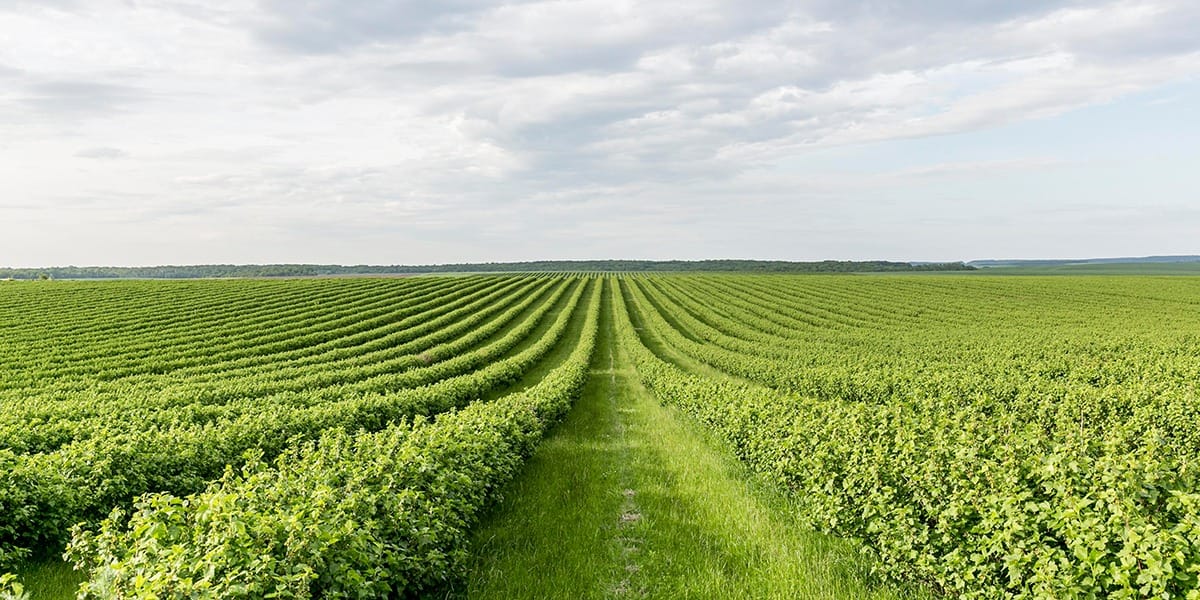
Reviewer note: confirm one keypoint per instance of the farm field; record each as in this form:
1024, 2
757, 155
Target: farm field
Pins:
1146, 268
598, 435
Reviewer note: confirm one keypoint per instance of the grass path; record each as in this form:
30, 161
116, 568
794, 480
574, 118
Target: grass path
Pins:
51, 580
628, 499
554, 534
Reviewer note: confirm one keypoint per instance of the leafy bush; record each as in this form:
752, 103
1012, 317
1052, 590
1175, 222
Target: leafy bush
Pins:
373, 515
980, 503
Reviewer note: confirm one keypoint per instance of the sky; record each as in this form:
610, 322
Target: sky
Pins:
146, 132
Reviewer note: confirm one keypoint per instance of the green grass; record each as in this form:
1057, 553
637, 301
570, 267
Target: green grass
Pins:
628, 499
559, 516
50, 580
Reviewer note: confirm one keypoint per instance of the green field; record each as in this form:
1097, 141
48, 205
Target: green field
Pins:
1143, 268
602, 436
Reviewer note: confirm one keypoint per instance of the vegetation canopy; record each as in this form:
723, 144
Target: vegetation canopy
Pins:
983, 437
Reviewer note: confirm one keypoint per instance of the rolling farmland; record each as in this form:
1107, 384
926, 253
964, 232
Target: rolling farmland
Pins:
973, 436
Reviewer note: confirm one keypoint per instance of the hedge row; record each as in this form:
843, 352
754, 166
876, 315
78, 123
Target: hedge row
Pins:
374, 515
975, 503
42, 495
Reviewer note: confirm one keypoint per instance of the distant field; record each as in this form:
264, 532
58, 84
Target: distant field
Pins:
1175, 268
978, 436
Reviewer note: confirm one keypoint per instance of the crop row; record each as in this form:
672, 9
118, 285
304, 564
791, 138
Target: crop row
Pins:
42, 495
83, 320
430, 337
263, 338
1091, 388
977, 497
379, 515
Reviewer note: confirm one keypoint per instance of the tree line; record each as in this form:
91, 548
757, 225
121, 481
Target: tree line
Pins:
310, 270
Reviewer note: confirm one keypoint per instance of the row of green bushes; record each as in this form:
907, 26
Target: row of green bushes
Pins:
374, 515
976, 503
41, 425
43, 495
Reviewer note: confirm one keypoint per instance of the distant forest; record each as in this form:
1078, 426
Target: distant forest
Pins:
222, 271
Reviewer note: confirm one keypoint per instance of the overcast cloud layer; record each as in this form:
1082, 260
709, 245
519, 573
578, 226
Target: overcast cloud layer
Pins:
396, 131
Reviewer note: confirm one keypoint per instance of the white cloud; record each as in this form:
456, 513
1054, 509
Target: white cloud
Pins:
392, 117
102, 152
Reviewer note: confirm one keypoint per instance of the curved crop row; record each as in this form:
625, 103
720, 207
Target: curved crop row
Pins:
276, 329
38, 427
370, 516
82, 324
41, 495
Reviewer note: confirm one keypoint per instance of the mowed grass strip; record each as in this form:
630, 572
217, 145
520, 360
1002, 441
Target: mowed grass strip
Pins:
629, 499
50, 580
552, 534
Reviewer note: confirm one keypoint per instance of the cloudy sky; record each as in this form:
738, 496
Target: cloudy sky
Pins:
143, 132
